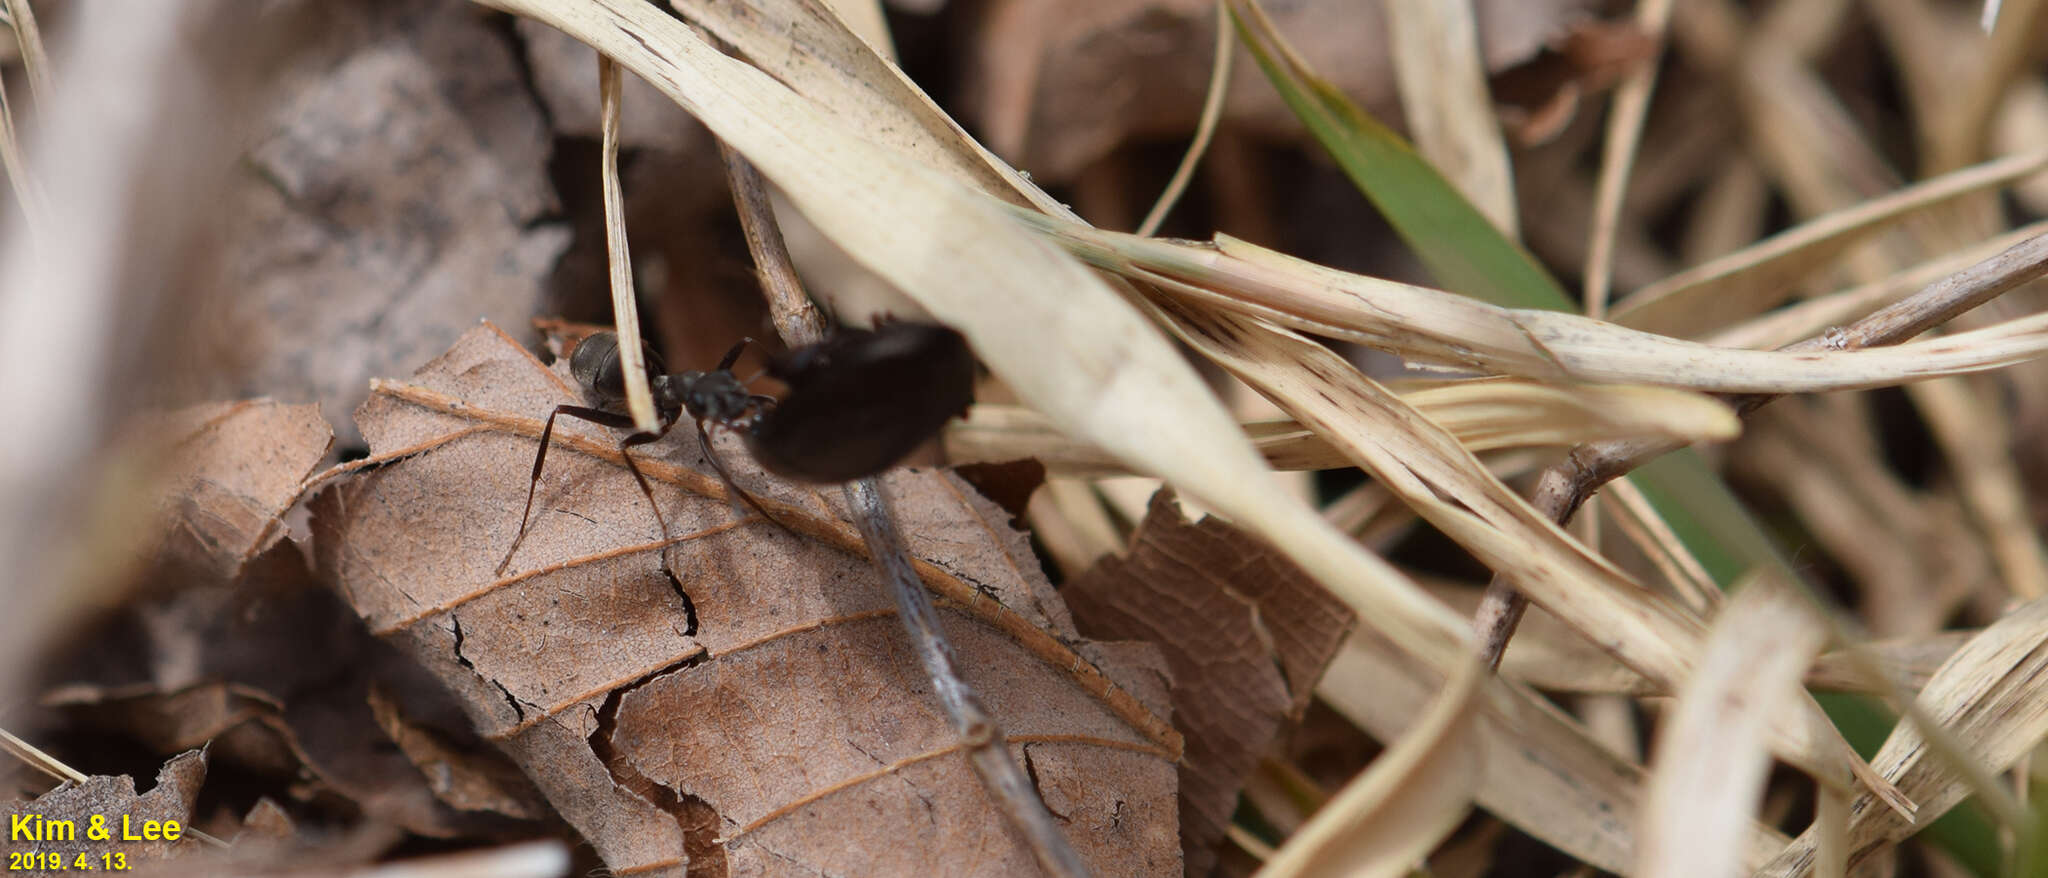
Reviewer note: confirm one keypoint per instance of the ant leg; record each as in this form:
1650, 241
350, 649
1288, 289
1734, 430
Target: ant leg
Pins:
733, 356
711, 454
539, 459
626, 453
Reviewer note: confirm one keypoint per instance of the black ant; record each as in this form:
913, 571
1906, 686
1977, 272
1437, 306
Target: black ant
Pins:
858, 403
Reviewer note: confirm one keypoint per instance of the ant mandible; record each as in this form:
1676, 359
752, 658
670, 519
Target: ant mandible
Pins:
858, 403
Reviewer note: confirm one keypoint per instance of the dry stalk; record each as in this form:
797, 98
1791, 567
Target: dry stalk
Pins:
798, 321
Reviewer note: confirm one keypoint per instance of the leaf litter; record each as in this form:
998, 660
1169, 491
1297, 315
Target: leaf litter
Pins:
107, 799
396, 189
736, 666
1246, 636
232, 470
178, 700
320, 724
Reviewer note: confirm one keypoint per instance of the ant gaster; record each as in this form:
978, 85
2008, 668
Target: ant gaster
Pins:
858, 403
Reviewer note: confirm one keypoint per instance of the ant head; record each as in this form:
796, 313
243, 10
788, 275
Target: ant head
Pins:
716, 396
595, 364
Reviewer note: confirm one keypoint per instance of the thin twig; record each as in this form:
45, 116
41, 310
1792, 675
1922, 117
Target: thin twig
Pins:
796, 317
1565, 486
798, 321
1006, 781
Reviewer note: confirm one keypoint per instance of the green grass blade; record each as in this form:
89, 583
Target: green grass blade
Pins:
1462, 250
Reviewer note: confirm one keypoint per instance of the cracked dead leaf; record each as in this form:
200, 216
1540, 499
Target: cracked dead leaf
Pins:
753, 698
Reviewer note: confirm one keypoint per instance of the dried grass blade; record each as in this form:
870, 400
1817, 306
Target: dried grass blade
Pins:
1654, 537
1813, 317
619, 261
33, 57
845, 78
1452, 490
866, 19
1955, 134
1205, 127
1975, 436
1712, 747
1492, 415
1434, 327
1992, 693
1391, 816
1755, 278
1544, 773
35, 758
1442, 83
1618, 157
1483, 415
34, 208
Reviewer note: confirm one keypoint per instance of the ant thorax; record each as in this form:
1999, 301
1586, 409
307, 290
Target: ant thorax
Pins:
717, 396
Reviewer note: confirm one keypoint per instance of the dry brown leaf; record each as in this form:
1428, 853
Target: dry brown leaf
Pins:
397, 191
1246, 635
242, 724
229, 668
232, 471
1060, 84
96, 810
268, 819
332, 750
753, 684
465, 777
1540, 97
